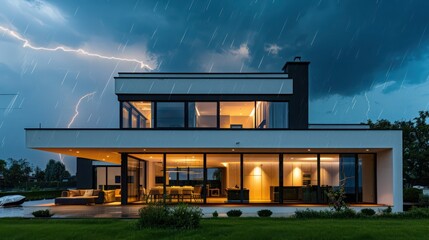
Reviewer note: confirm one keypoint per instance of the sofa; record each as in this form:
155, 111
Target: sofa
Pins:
80, 197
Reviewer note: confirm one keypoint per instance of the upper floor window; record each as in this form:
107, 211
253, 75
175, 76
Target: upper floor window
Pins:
170, 114
237, 114
223, 114
137, 115
272, 114
202, 114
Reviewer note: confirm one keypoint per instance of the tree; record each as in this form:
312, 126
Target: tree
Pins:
2, 166
415, 135
18, 172
39, 174
2, 171
56, 171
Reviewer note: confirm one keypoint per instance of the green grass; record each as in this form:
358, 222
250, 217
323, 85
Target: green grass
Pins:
220, 228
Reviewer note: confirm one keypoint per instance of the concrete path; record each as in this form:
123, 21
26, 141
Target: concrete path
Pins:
131, 211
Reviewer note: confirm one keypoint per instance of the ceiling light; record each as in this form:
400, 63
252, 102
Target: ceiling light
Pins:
308, 150
77, 152
367, 150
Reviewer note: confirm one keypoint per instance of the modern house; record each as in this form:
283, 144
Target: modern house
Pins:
229, 138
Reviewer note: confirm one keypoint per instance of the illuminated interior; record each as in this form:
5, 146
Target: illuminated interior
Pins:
237, 114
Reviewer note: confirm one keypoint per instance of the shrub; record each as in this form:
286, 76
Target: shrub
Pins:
185, 217
412, 195
265, 213
337, 196
154, 216
215, 214
160, 216
424, 200
418, 213
346, 213
308, 213
367, 212
42, 213
234, 213
386, 211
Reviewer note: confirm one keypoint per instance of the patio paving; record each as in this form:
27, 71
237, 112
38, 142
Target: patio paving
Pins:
131, 211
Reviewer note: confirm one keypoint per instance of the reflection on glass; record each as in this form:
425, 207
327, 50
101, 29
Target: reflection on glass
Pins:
237, 114
347, 175
203, 114
170, 114
125, 117
133, 179
143, 113
137, 115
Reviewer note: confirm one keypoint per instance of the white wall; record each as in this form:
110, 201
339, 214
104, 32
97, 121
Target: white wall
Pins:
389, 179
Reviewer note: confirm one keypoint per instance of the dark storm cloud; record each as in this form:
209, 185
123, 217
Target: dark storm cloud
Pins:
352, 45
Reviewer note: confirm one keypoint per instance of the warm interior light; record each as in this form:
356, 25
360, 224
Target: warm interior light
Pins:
198, 112
77, 152
252, 112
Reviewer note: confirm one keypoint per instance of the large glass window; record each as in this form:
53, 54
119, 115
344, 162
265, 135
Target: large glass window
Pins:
300, 178
261, 176
348, 176
202, 114
133, 179
143, 113
237, 114
338, 170
272, 114
185, 169
137, 115
223, 176
170, 114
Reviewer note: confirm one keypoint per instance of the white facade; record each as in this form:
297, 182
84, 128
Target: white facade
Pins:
288, 134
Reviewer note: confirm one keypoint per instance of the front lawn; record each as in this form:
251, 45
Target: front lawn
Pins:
221, 228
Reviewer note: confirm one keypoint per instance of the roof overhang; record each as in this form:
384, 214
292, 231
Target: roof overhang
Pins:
107, 144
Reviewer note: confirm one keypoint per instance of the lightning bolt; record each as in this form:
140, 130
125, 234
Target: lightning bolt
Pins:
369, 106
27, 44
76, 108
76, 113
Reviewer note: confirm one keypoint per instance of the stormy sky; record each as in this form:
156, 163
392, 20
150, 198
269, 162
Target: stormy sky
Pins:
369, 59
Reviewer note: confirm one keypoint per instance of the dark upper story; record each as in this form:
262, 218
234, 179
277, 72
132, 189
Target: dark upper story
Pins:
215, 100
